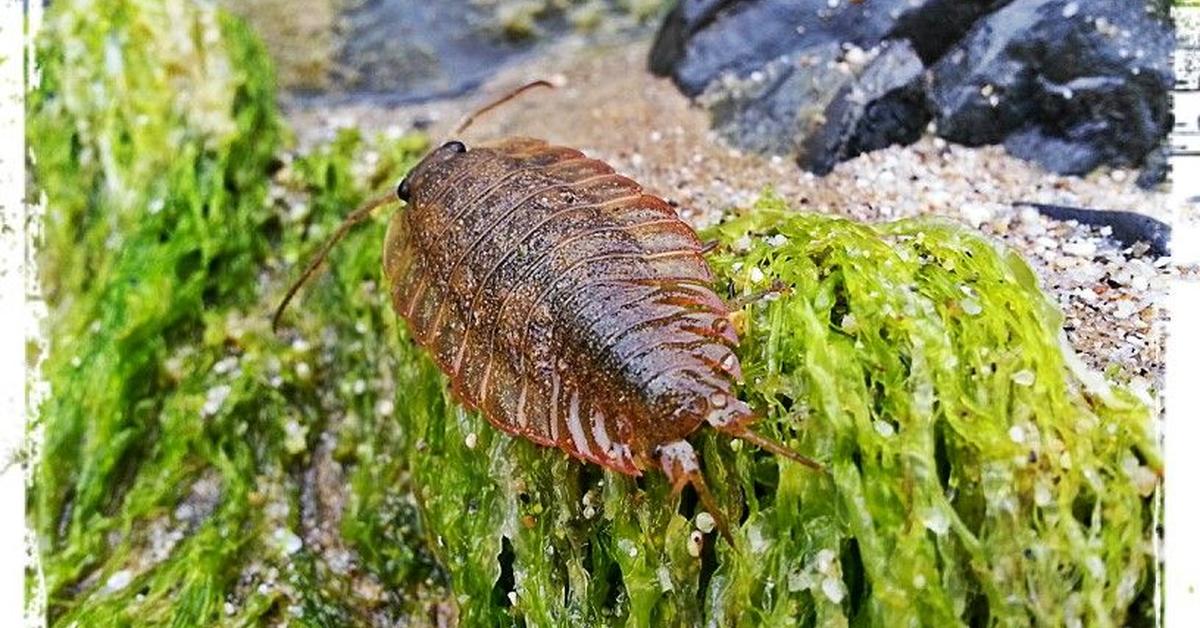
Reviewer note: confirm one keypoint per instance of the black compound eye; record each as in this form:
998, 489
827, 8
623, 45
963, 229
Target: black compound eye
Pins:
455, 146
402, 192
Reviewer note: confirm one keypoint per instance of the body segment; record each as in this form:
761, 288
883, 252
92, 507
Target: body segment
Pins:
568, 305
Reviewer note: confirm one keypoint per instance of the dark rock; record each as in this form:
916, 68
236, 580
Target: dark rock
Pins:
1068, 84
1128, 228
703, 39
821, 108
776, 107
937, 25
1156, 168
885, 105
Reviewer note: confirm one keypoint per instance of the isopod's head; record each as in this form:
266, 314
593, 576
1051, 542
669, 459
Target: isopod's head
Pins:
434, 166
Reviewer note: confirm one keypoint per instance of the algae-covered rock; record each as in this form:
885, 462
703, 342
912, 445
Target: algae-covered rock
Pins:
197, 469
175, 421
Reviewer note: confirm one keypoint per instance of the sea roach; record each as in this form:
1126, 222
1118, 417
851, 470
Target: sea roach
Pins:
569, 306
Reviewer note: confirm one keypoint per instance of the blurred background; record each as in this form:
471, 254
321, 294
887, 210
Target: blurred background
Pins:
1069, 85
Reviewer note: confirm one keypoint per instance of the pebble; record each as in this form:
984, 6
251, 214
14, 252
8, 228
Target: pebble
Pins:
1042, 495
799, 581
976, 214
937, 521
1024, 377
856, 56
303, 371
695, 543
118, 580
225, 365
287, 540
777, 240
1080, 248
833, 589
1125, 309
824, 560
215, 398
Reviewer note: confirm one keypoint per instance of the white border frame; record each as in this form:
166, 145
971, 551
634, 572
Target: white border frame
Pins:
13, 216
12, 310
1182, 486
1180, 548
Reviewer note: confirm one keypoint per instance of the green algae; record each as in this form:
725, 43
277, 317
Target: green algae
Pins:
974, 476
196, 468
151, 156
170, 451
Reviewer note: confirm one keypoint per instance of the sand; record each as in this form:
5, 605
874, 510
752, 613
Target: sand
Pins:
610, 107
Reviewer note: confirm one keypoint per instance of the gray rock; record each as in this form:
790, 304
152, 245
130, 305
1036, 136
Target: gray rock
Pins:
773, 109
885, 105
933, 26
1068, 84
701, 40
1156, 167
820, 108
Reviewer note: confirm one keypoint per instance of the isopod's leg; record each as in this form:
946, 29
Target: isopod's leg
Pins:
709, 247
682, 466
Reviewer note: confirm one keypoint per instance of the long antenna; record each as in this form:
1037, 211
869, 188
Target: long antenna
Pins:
763, 442
467, 121
354, 218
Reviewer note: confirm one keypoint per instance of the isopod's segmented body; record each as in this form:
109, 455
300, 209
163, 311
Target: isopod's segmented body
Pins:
564, 302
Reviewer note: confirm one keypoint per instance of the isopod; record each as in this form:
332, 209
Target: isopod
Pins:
565, 303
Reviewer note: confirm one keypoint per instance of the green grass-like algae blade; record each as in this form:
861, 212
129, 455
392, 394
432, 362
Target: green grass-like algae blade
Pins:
197, 469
